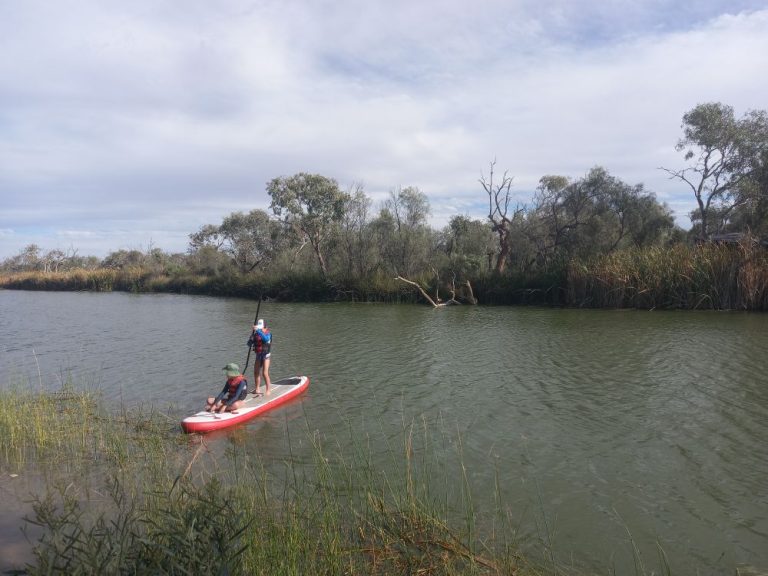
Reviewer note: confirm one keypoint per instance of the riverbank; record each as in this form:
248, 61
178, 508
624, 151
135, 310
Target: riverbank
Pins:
127, 493
708, 277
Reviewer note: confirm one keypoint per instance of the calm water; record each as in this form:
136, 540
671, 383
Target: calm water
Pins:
597, 423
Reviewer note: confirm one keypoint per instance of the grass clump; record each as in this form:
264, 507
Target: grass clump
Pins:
69, 427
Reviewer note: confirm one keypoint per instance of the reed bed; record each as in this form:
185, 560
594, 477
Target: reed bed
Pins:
715, 277
721, 277
133, 495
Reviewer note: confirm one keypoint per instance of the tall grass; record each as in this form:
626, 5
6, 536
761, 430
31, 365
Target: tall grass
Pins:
70, 427
733, 277
719, 277
146, 506
155, 501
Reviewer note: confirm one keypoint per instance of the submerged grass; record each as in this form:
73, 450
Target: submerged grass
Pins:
154, 501
135, 496
67, 427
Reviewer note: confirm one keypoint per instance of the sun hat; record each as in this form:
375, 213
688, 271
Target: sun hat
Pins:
232, 369
260, 324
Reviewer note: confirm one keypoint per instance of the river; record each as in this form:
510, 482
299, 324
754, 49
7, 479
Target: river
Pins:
602, 428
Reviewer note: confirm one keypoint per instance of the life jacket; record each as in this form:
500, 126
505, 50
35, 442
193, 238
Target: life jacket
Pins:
259, 346
233, 384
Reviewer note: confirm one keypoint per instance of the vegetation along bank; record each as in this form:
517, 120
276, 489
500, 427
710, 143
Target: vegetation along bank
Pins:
593, 241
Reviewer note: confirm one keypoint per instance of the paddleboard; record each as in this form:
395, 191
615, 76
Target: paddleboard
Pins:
280, 392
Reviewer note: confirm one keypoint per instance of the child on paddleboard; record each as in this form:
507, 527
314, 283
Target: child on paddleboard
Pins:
232, 395
261, 343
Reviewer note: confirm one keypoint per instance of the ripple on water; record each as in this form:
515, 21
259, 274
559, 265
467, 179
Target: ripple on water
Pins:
592, 423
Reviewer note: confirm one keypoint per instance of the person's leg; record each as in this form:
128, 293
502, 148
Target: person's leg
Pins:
234, 406
257, 374
267, 379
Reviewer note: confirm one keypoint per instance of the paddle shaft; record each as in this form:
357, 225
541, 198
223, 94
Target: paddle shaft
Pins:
256, 319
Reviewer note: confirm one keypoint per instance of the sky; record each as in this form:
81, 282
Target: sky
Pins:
129, 125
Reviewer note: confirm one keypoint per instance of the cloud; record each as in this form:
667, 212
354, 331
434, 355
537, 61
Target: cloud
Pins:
127, 122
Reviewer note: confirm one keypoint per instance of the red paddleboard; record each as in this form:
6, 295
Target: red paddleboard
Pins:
279, 393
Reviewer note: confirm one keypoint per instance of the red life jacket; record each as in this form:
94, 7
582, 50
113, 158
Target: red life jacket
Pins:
259, 346
233, 384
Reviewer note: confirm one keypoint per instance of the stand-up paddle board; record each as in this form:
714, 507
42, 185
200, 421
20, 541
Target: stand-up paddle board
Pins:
280, 392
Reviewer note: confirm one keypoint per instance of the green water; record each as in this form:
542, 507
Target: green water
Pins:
595, 424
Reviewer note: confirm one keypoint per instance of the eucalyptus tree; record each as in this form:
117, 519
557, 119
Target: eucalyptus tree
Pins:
593, 215
502, 222
410, 238
469, 245
311, 205
249, 240
210, 261
723, 154
208, 235
31, 257
54, 260
752, 215
356, 236
120, 259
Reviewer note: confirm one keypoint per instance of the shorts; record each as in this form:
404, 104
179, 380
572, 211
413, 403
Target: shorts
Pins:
262, 356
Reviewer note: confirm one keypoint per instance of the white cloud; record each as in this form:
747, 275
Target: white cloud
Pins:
116, 119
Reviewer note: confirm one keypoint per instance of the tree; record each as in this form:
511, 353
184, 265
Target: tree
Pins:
499, 198
724, 153
752, 216
357, 237
311, 204
467, 243
210, 261
123, 259
410, 240
27, 260
250, 239
593, 215
208, 235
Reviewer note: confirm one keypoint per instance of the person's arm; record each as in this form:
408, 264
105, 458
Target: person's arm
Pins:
265, 337
221, 394
236, 396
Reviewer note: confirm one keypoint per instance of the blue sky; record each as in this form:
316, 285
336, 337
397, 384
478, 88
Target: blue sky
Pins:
125, 125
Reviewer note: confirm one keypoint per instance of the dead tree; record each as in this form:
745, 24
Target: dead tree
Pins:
498, 209
436, 302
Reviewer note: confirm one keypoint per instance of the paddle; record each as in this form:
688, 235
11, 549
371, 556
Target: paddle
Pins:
255, 320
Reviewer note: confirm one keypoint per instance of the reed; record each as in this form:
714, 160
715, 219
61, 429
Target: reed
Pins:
720, 277
155, 501
70, 428
143, 510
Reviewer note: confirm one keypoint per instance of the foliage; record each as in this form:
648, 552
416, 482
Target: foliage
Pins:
726, 153
310, 204
321, 243
250, 240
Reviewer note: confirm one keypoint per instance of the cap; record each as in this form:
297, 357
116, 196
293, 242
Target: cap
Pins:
232, 369
260, 324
